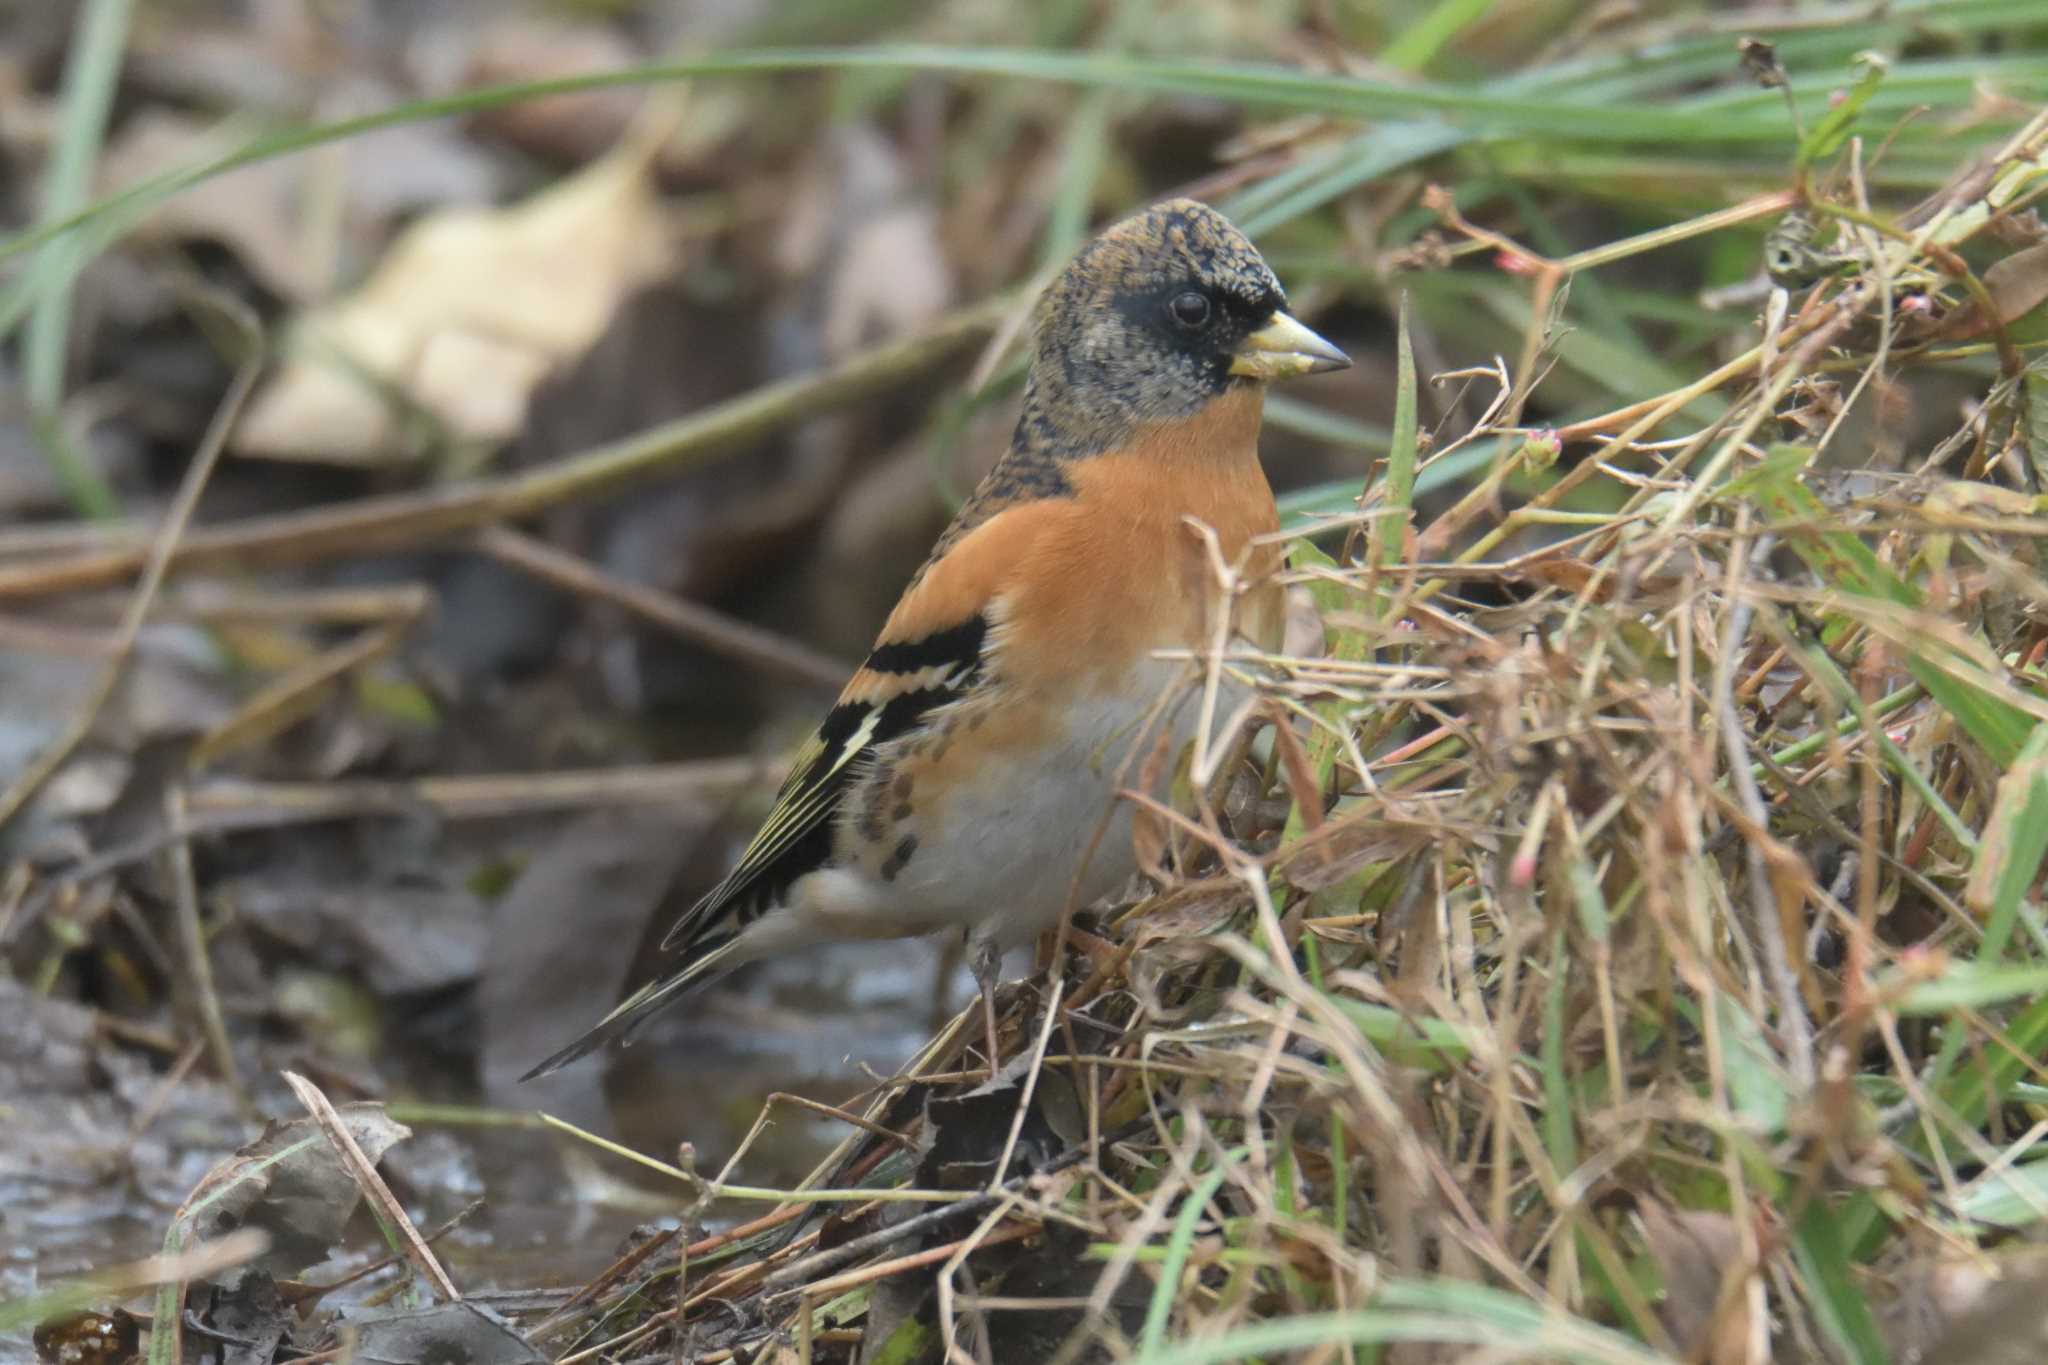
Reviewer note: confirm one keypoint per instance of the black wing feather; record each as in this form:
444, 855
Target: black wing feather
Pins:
796, 838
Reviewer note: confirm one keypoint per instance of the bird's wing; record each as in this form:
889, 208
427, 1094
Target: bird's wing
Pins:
933, 650
888, 697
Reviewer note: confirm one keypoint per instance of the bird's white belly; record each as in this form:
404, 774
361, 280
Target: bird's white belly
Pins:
1001, 853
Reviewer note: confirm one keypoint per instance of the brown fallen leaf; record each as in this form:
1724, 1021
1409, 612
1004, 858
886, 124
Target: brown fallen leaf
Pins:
2017, 285
465, 315
1694, 1250
571, 127
444, 1331
1342, 846
252, 210
1960, 1309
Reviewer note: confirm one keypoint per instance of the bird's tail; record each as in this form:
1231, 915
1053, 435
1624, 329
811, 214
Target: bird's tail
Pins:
642, 1004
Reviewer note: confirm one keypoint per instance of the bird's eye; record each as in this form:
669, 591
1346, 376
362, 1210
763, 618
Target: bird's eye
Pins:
1190, 309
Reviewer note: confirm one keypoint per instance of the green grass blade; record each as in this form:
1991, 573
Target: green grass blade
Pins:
1322, 424
2012, 1198
1388, 531
90, 75
2015, 841
1306, 505
1560, 1135
1827, 136
1738, 118
1416, 46
1822, 1256
1445, 1311
1178, 1244
1969, 985
1843, 560
2007, 862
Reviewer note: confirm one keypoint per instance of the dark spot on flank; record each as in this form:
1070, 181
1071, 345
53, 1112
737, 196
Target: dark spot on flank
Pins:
868, 819
871, 828
900, 788
902, 812
900, 858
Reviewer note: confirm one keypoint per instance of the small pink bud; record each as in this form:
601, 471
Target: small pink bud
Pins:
1522, 870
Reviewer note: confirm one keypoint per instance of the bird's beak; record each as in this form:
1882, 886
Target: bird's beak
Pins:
1283, 349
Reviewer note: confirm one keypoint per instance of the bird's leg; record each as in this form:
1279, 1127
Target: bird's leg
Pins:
986, 960
952, 953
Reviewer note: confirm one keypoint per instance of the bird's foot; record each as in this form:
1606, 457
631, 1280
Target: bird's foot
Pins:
985, 959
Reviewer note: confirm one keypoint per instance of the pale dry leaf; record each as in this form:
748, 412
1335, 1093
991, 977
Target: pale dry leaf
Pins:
467, 312
252, 210
274, 215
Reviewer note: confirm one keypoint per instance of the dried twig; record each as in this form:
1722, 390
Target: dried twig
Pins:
380, 524
728, 635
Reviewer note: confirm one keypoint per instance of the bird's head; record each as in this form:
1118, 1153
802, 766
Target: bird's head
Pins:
1163, 312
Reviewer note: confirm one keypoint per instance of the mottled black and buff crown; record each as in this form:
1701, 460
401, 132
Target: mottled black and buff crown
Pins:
1110, 356
1149, 256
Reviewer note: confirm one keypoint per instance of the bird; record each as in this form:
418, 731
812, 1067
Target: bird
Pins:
959, 781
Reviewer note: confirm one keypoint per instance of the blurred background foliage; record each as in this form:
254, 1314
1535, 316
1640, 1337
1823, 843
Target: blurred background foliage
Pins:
492, 253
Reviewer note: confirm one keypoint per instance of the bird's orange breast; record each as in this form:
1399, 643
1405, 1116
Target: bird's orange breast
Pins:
1116, 571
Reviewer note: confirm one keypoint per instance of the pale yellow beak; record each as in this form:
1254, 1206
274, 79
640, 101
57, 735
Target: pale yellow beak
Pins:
1283, 349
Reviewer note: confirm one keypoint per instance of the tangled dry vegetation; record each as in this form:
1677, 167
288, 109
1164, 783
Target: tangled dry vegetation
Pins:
1614, 934
1662, 974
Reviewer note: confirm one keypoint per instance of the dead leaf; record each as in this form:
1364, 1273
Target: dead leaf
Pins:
1967, 504
467, 312
1189, 910
246, 1306
2017, 285
461, 1331
971, 1131
564, 938
1971, 1310
395, 938
857, 220
1339, 848
1693, 1250
570, 127
290, 1184
260, 212
407, 167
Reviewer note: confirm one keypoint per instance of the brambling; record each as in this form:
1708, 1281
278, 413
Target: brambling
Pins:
961, 778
